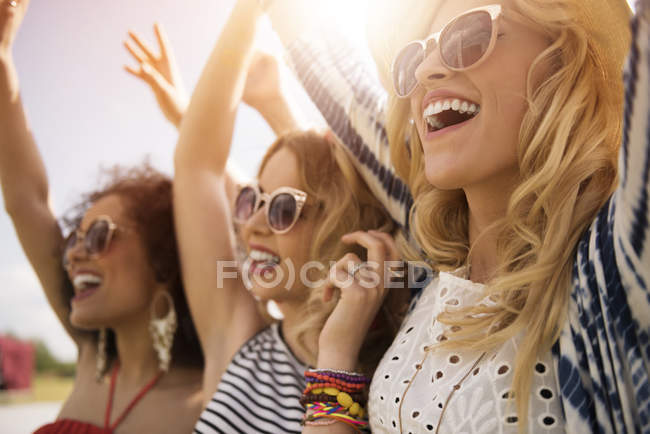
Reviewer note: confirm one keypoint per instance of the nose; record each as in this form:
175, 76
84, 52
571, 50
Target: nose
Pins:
432, 69
76, 252
256, 224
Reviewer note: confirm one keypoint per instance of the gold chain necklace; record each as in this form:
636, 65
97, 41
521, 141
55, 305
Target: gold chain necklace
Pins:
456, 387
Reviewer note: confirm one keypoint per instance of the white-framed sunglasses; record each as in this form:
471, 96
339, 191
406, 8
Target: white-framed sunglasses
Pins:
463, 43
283, 206
96, 239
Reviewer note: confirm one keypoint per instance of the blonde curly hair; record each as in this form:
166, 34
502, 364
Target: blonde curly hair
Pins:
567, 154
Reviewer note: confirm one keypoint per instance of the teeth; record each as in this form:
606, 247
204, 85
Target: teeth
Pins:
435, 123
438, 107
82, 281
450, 104
258, 255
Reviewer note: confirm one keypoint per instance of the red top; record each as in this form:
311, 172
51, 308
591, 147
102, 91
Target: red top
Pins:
70, 426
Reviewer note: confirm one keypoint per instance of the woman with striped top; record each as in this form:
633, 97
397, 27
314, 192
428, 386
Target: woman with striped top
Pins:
306, 198
561, 343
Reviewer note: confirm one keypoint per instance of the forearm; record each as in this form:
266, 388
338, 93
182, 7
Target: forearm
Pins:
217, 299
22, 172
279, 113
207, 126
632, 207
25, 191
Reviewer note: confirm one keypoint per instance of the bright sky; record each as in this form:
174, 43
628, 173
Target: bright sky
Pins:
87, 112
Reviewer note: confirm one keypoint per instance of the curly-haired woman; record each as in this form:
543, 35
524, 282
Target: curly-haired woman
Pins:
114, 282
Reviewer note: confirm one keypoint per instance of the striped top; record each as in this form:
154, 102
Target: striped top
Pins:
259, 392
602, 358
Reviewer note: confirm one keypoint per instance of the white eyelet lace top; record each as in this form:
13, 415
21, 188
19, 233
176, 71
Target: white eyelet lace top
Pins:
412, 386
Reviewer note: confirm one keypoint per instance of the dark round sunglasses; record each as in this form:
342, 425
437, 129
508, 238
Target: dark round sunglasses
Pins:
283, 206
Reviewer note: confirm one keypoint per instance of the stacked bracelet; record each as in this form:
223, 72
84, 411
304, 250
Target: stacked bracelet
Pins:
325, 414
342, 398
332, 396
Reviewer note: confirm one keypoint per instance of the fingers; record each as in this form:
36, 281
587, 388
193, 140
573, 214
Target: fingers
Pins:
135, 52
383, 254
342, 274
133, 71
143, 46
153, 77
375, 246
389, 243
163, 40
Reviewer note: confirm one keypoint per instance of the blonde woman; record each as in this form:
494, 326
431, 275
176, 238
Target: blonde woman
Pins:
538, 319
306, 198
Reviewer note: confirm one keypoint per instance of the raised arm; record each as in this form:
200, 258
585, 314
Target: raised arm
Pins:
224, 312
340, 78
632, 214
24, 181
609, 312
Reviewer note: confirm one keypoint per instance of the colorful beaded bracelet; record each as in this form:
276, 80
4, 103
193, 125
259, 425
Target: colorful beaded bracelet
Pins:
327, 375
355, 410
335, 382
336, 371
355, 423
345, 401
329, 387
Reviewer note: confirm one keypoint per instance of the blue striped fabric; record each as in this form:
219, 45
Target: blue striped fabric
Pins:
603, 354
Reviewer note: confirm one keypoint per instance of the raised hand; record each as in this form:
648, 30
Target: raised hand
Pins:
12, 13
160, 71
263, 83
363, 288
263, 91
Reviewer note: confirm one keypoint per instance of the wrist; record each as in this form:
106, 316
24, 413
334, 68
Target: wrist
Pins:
336, 359
268, 105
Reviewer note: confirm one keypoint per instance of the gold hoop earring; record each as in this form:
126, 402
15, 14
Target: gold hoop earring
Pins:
162, 330
100, 367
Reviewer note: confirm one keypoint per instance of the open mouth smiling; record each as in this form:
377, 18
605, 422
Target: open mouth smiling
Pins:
448, 112
261, 260
85, 284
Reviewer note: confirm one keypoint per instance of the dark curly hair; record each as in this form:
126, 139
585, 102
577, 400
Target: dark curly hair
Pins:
147, 197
